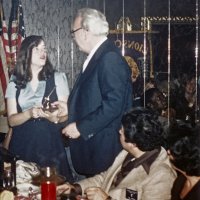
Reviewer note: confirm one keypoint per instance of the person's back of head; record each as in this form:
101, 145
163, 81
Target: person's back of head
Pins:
93, 21
184, 148
142, 127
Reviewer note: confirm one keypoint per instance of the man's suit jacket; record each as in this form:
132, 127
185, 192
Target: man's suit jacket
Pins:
153, 186
99, 98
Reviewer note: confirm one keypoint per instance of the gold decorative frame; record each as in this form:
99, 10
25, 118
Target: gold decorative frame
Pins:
147, 21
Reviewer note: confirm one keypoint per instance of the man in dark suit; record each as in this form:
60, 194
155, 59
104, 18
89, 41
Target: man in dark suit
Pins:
99, 98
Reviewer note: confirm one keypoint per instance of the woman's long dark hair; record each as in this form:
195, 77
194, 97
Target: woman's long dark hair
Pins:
22, 70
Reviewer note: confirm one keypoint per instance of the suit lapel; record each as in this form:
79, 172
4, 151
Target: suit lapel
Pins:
74, 87
93, 62
91, 66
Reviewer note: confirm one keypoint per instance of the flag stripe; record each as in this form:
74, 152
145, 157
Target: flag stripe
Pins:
6, 42
17, 31
3, 68
2, 100
4, 58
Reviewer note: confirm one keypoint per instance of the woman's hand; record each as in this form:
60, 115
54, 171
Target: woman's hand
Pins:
37, 112
51, 116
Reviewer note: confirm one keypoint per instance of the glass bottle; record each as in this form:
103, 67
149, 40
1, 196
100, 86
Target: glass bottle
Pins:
7, 170
48, 184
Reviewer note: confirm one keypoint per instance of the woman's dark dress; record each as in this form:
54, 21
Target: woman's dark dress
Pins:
194, 193
40, 141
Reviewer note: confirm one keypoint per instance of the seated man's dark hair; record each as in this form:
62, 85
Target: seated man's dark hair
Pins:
141, 126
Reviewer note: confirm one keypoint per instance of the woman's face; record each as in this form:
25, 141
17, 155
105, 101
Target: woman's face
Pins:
39, 55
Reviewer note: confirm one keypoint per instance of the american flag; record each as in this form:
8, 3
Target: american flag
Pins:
4, 58
16, 28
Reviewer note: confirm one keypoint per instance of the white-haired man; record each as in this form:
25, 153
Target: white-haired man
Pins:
99, 98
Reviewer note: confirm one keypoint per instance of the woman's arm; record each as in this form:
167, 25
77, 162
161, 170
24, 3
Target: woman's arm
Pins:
15, 118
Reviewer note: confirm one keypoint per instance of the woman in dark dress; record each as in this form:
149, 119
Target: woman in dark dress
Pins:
184, 153
36, 132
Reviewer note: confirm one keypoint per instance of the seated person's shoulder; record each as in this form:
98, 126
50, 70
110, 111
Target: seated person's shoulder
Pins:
162, 166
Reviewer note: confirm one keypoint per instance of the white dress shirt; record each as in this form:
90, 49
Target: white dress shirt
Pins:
92, 53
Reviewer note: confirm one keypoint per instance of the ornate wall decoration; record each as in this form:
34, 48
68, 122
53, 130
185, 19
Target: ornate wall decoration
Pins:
182, 40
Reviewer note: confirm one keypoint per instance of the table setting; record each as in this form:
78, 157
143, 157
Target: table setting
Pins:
20, 180
24, 189
30, 181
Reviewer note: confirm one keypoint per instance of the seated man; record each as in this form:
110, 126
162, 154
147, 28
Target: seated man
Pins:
141, 171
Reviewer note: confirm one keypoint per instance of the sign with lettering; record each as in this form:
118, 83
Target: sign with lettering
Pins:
134, 47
